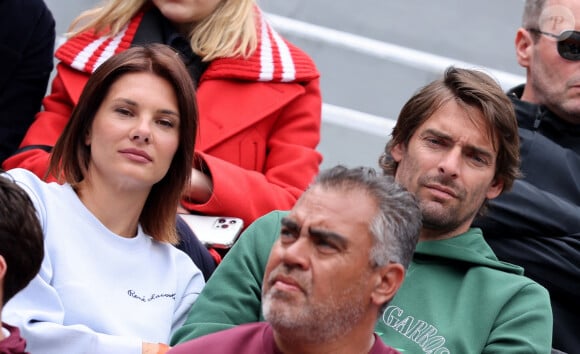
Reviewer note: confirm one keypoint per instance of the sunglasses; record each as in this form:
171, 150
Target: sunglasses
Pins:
568, 43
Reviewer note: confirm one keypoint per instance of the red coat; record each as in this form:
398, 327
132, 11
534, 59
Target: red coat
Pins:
259, 121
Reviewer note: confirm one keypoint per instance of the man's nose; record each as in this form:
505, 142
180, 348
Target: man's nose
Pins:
297, 254
450, 162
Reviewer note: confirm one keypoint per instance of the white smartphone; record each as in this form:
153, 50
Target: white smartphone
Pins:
215, 231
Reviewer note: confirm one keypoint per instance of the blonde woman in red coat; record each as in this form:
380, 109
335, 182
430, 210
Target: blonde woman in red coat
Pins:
258, 98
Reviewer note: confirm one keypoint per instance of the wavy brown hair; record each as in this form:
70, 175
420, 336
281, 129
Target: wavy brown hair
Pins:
468, 88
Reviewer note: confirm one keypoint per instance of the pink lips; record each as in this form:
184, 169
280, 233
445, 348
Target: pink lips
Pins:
136, 155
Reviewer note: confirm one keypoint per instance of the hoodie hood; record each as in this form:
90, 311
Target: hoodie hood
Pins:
469, 249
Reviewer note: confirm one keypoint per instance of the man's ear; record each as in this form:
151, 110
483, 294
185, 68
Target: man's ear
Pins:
389, 280
495, 188
524, 45
397, 152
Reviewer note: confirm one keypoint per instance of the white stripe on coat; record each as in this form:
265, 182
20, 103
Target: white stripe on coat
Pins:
84, 55
266, 57
288, 68
109, 51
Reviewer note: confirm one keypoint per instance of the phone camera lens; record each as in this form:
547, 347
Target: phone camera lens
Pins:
232, 222
225, 226
221, 221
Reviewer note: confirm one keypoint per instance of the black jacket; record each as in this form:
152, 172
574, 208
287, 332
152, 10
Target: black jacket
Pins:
537, 224
26, 60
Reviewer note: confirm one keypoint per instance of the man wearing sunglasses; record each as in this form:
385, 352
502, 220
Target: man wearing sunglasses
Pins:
537, 224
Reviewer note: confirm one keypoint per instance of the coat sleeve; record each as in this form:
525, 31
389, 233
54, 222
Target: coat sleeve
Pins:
27, 47
47, 127
524, 324
232, 296
290, 165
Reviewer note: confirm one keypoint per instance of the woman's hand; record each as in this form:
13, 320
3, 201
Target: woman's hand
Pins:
154, 348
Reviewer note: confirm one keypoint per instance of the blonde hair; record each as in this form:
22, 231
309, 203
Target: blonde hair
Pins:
229, 31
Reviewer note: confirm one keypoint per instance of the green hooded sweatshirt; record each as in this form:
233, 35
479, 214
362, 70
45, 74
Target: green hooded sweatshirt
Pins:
457, 298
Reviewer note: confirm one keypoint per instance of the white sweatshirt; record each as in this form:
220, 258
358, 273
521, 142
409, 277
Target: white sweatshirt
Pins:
98, 292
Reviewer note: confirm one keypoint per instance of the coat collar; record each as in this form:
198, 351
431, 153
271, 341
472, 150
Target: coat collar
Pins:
538, 117
275, 59
220, 118
259, 85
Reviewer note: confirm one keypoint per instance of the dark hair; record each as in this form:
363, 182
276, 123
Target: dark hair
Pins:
21, 237
532, 12
468, 88
396, 226
531, 17
70, 156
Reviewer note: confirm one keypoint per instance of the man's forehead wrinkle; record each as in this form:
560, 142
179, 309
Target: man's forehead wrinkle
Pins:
475, 118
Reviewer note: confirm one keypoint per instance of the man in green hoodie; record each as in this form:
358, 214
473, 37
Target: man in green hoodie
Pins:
455, 145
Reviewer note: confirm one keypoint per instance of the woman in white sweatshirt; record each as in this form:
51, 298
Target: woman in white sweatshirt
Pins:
111, 282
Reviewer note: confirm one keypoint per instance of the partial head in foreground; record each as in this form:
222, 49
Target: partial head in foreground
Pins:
21, 240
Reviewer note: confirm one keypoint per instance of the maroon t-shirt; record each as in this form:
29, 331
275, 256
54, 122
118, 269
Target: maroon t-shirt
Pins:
250, 338
14, 344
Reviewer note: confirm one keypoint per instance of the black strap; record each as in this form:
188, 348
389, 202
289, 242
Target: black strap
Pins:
46, 148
